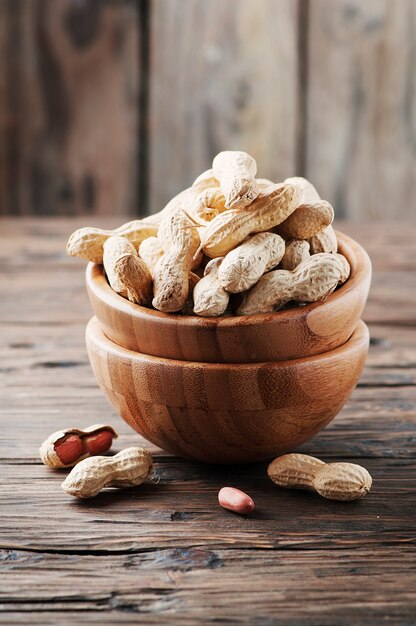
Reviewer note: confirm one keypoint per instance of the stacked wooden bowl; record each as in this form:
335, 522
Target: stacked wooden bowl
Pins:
230, 389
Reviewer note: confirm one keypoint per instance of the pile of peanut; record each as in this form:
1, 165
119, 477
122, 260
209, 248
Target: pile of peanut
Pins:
229, 244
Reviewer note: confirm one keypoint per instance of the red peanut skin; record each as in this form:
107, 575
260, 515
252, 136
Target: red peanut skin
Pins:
75, 447
99, 443
235, 500
70, 449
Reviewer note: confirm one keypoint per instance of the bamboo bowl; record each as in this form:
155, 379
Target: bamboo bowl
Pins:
226, 413
290, 334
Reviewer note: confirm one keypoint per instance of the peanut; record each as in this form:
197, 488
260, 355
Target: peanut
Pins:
307, 221
230, 228
128, 468
88, 243
296, 252
65, 448
312, 280
335, 481
236, 173
127, 274
325, 241
210, 298
345, 268
296, 471
243, 266
150, 251
235, 500
342, 481
180, 240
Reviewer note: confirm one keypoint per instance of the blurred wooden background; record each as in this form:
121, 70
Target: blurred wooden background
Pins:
113, 106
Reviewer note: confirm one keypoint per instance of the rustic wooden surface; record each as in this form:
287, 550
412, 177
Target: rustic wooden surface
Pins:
113, 106
166, 553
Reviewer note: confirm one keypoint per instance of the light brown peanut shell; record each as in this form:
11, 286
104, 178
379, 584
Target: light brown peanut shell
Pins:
345, 268
230, 228
150, 251
209, 203
236, 173
342, 481
180, 240
312, 280
296, 252
335, 481
243, 266
307, 220
127, 274
115, 247
88, 243
325, 241
128, 468
210, 298
47, 452
295, 471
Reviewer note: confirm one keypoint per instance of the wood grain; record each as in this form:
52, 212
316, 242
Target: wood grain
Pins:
70, 118
221, 412
166, 553
223, 76
361, 133
344, 590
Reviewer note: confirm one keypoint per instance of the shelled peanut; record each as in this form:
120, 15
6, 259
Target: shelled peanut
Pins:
274, 241
335, 481
65, 448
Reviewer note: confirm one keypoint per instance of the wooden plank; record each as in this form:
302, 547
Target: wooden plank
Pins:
187, 584
361, 106
74, 72
180, 509
223, 75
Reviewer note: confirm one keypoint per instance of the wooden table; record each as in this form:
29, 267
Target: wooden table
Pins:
166, 552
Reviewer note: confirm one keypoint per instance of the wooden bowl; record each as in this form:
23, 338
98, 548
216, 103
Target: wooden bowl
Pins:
291, 334
226, 413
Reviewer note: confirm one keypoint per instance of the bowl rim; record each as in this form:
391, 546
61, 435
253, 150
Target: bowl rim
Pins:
360, 270
95, 335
